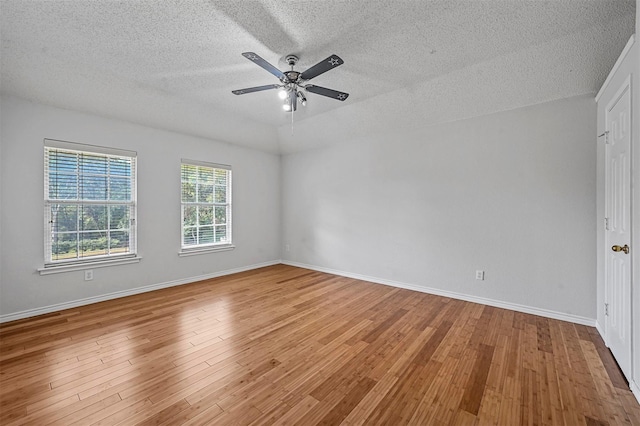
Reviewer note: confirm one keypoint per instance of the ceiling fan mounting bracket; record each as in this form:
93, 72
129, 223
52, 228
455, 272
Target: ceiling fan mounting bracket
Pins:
291, 60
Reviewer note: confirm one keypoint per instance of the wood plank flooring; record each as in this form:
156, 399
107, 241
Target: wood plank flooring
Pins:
284, 345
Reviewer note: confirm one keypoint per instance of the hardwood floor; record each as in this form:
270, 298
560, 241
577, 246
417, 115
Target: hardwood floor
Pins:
283, 345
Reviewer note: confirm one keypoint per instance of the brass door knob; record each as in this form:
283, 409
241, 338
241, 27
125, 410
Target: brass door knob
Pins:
624, 248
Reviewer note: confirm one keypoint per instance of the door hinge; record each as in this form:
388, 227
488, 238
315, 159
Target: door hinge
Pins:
606, 309
606, 223
606, 137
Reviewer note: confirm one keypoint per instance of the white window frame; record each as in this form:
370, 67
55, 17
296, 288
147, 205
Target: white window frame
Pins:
109, 259
195, 249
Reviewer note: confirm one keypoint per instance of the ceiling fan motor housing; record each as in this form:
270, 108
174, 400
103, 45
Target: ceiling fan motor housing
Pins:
292, 76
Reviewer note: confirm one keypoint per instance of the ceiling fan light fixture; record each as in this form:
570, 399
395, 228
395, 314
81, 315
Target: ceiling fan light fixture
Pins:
302, 98
286, 106
282, 94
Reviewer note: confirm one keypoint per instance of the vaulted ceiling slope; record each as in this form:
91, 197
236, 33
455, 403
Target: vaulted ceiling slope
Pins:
172, 64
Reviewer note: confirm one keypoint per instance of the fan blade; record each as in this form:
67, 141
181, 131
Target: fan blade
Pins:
322, 67
341, 96
255, 89
266, 65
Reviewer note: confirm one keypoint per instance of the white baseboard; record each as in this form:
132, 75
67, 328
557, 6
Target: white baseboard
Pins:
491, 302
95, 299
635, 389
475, 299
601, 331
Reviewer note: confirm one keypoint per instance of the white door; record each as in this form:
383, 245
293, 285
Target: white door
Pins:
618, 224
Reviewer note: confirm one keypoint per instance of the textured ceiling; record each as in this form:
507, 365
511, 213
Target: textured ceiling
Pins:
172, 64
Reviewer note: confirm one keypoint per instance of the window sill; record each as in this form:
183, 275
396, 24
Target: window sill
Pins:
57, 269
205, 250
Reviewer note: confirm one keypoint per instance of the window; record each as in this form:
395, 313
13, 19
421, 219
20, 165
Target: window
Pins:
206, 206
89, 203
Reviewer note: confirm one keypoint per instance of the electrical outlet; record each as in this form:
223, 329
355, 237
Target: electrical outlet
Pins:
88, 275
479, 275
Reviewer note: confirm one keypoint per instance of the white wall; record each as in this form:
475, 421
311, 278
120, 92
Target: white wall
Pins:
2, 181
24, 125
511, 193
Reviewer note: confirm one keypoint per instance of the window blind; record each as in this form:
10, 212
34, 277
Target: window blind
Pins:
206, 204
90, 202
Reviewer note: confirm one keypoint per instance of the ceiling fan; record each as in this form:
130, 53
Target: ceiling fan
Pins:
292, 83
